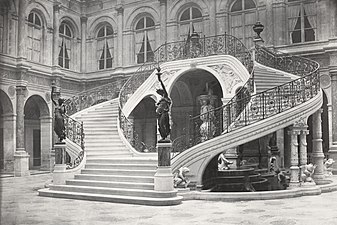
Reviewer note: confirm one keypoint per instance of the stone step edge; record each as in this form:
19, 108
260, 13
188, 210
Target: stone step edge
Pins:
117, 170
112, 198
114, 176
111, 182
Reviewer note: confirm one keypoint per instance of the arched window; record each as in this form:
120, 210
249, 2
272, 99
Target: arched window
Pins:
34, 39
302, 21
243, 17
66, 35
190, 21
105, 47
145, 40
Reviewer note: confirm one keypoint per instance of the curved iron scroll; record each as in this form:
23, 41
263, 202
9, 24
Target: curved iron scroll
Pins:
74, 132
242, 112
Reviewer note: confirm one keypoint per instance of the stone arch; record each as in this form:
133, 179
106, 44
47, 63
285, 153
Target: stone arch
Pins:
139, 12
38, 131
73, 25
39, 8
7, 132
179, 6
100, 21
6, 106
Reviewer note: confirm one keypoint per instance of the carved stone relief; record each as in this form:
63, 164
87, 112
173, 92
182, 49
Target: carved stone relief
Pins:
228, 76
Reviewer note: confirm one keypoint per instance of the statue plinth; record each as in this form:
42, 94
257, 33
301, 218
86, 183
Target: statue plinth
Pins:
60, 149
163, 179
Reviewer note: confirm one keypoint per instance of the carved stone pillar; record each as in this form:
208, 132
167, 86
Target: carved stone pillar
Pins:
120, 13
21, 164
303, 148
317, 147
212, 15
163, 21
22, 34
294, 169
83, 43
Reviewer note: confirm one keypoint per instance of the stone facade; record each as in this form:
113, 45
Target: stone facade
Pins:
82, 44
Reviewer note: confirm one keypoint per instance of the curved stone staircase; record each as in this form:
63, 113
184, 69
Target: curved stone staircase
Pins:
112, 171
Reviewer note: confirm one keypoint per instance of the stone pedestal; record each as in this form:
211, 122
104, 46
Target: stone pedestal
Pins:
21, 163
163, 179
59, 175
232, 155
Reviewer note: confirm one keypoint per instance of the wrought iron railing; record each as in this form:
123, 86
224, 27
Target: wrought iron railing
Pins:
214, 45
74, 132
249, 109
93, 96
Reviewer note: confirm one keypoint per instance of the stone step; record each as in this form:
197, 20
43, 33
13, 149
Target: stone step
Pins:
112, 198
121, 166
120, 172
132, 161
106, 143
108, 155
119, 178
110, 184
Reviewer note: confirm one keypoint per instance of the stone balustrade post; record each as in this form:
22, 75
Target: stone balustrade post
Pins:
163, 179
294, 169
317, 147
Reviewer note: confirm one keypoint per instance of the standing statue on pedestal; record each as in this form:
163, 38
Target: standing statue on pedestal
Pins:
59, 114
163, 108
207, 127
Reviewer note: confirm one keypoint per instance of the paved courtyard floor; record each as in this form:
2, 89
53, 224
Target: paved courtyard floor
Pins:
20, 204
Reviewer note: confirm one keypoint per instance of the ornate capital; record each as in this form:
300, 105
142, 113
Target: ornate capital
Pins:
21, 90
119, 8
301, 123
56, 6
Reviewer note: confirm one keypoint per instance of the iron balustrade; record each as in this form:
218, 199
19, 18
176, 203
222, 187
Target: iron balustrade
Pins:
238, 113
93, 96
74, 132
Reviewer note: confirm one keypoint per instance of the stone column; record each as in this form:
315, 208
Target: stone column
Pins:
9, 141
46, 141
56, 25
294, 169
22, 34
332, 115
163, 179
120, 17
83, 44
303, 148
21, 164
163, 21
280, 145
317, 147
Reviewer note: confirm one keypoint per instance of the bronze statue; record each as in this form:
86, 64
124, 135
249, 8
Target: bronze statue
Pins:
163, 108
60, 111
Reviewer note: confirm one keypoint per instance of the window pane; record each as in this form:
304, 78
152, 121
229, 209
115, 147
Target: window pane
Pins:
68, 32
196, 13
109, 63
109, 30
31, 18
37, 20
101, 64
249, 4
60, 61
140, 58
237, 6
108, 54
61, 30
149, 56
101, 32
102, 55
140, 24
66, 52
149, 22
66, 65
185, 15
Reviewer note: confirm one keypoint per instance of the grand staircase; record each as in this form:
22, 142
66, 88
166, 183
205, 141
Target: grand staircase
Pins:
112, 171
115, 172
